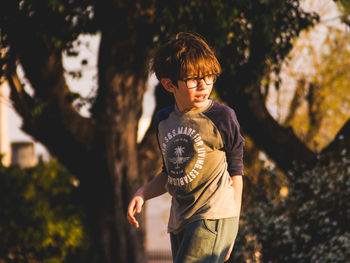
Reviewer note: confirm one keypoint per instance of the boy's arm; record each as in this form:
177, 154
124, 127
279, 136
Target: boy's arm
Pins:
154, 188
237, 184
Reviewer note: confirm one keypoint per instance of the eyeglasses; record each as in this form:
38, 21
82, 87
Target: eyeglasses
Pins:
192, 83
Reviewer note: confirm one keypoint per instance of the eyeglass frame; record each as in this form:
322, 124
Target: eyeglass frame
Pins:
199, 80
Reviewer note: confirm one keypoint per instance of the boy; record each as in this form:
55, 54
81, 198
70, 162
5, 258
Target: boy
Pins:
202, 152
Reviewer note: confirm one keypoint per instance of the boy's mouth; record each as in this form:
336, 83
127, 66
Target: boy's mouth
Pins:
200, 97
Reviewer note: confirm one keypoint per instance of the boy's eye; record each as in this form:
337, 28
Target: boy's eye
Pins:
209, 79
192, 83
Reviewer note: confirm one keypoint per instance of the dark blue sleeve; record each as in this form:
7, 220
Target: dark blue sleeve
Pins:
160, 116
224, 118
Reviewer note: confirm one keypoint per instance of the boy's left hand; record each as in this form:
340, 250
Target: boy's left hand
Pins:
134, 208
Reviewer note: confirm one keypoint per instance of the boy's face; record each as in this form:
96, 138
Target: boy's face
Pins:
188, 98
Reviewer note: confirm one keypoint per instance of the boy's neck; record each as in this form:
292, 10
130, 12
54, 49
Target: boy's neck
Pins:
183, 110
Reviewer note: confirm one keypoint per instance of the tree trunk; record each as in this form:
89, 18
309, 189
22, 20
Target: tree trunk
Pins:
107, 193
102, 150
117, 111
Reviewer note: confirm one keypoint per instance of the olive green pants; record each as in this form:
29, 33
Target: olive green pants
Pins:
204, 241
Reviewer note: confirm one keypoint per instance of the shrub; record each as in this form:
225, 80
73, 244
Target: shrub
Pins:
311, 224
39, 221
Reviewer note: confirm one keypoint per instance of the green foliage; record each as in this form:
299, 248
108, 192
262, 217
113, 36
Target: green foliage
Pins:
334, 72
38, 220
228, 25
235, 28
58, 23
309, 225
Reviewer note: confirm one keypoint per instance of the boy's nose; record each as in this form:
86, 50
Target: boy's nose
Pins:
202, 84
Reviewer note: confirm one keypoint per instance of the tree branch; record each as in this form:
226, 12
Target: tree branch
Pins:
21, 101
339, 147
48, 116
296, 101
46, 76
279, 143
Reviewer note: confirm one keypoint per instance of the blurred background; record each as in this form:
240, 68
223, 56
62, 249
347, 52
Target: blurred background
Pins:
297, 187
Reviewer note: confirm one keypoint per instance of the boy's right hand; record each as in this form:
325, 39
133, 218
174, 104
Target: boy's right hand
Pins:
135, 207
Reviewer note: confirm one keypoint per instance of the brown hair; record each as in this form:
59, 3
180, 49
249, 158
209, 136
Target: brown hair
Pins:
188, 55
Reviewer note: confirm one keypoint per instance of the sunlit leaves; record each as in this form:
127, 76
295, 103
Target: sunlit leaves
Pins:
323, 81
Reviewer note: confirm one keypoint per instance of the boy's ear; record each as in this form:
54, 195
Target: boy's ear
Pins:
167, 84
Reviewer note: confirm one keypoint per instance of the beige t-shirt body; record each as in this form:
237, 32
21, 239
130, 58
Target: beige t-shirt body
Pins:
201, 149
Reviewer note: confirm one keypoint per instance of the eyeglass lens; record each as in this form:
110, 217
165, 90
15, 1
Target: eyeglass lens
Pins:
194, 82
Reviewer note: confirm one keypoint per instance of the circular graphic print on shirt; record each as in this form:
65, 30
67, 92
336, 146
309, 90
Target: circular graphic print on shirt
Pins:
179, 152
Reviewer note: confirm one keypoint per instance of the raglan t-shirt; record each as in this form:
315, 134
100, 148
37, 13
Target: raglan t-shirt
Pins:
201, 149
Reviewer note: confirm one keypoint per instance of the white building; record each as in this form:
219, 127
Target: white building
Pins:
21, 152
